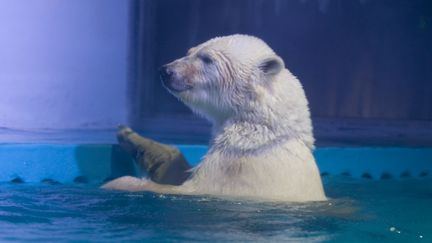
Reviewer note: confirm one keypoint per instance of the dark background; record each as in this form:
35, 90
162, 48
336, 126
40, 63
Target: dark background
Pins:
366, 65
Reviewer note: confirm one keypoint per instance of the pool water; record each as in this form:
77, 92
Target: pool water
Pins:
361, 210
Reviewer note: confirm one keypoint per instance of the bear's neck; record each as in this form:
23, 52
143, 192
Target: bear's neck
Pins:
242, 135
279, 115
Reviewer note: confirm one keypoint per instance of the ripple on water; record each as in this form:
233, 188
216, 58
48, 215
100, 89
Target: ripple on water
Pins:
359, 210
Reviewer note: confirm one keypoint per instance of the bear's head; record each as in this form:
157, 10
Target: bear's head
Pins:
223, 76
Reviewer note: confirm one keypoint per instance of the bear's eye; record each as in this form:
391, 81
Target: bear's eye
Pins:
206, 59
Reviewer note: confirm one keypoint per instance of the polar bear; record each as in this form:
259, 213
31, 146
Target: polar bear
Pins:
262, 140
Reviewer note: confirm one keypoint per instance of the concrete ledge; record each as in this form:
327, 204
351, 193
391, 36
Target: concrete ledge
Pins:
67, 163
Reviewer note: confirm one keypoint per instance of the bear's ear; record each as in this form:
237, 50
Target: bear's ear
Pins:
271, 65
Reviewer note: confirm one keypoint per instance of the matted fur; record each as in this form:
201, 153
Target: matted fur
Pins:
262, 133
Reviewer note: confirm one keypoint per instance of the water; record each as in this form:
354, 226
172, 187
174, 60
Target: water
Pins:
360, 211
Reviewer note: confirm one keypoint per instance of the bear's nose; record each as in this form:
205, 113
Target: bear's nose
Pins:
165, 73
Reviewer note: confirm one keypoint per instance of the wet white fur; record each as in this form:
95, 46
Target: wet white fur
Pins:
262, 134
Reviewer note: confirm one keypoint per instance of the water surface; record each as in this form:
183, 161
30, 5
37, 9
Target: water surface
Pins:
360, 211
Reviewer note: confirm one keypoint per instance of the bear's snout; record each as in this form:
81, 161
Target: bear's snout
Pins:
165, 73
170, 81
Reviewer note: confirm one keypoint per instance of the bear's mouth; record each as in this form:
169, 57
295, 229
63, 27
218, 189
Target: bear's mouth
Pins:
175, 86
